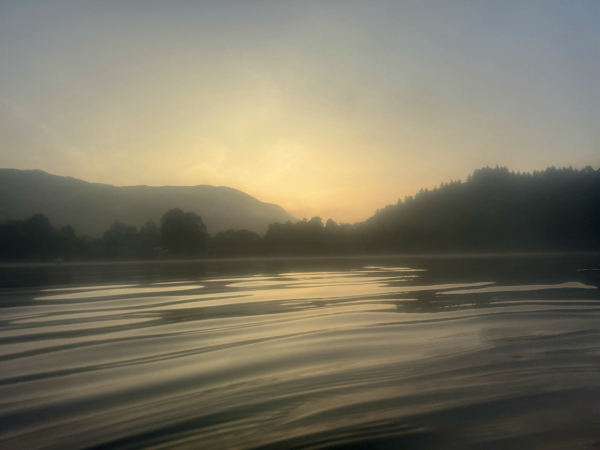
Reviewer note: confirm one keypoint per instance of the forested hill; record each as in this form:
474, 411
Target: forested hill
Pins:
494, 210
91, 208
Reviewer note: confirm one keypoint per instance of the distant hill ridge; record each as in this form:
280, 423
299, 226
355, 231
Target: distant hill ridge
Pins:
92, 207
495, 210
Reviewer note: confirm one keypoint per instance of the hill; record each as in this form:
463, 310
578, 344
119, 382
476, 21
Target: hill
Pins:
494, 210
91, 207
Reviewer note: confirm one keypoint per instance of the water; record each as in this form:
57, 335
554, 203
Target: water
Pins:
418, 353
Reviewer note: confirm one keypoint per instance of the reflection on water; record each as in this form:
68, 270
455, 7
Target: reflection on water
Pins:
390, 353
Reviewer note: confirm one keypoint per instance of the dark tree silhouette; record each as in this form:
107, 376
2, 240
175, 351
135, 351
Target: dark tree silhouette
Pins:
36, 239
309, 237
182, 233
120, 240
150, 239
236, 243
150, 232
495, 210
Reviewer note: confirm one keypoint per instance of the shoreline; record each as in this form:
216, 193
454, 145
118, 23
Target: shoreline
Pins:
423, 256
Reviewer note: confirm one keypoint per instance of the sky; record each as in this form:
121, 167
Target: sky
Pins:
327, 108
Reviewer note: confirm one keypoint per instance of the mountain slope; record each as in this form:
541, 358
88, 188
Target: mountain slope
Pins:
495, 210
91, 208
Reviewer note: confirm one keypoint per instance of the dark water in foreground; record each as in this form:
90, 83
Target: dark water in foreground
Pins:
417, 353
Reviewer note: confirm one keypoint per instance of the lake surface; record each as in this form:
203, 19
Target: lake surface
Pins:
413, 353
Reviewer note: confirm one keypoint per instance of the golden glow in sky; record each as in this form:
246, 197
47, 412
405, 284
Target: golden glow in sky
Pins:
325, 108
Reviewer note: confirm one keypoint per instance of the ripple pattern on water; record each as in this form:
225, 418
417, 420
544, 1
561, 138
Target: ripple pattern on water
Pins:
370, 356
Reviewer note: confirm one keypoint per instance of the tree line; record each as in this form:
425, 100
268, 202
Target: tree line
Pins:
494, 210
179, 234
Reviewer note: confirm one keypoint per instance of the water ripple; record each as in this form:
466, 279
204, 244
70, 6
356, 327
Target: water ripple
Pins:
437, 355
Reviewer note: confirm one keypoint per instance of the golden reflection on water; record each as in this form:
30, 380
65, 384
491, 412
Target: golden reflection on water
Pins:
114, 291
301, 358
572, 285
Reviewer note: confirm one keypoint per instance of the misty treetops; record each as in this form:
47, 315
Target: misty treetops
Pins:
494, 210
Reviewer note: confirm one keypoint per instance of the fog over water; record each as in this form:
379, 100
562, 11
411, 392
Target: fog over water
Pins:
418, 353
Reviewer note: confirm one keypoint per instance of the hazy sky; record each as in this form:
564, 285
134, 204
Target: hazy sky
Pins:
330, 108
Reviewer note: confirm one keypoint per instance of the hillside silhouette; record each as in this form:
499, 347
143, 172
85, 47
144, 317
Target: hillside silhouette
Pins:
91, 208
494, 210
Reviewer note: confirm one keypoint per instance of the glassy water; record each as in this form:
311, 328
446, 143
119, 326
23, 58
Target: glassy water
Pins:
418, 353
